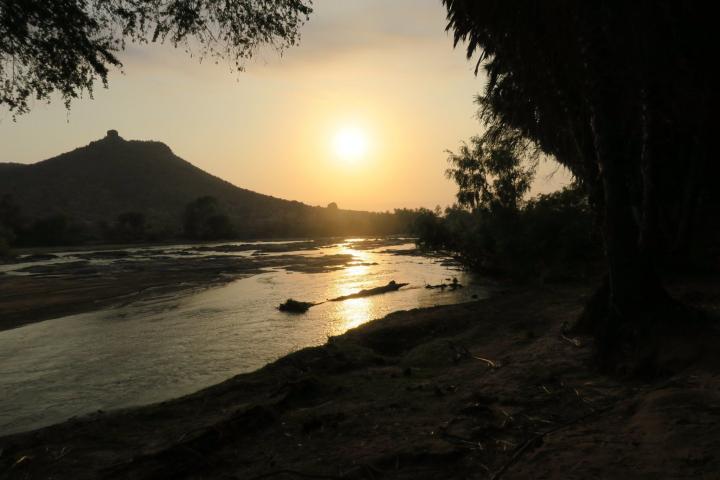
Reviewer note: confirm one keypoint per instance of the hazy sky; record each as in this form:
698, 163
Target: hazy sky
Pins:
386, 70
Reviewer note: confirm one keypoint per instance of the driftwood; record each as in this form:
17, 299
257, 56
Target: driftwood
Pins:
390, 287
294, 306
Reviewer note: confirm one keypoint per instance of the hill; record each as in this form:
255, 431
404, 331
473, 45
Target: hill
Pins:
94, 184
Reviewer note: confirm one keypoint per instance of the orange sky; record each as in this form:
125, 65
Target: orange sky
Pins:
385, 69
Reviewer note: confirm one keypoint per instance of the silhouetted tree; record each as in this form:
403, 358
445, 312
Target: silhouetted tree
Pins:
404, 219
65, 46
53, 230
204, 220
430, 230
621, 93
4, 243
10, 221
130, 227
494, 171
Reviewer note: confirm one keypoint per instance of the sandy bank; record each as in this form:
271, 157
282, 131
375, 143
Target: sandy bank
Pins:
52, 290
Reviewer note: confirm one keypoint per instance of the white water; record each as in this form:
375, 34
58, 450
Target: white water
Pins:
157, 349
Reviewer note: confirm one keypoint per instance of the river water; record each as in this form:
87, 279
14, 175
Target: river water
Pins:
167, 346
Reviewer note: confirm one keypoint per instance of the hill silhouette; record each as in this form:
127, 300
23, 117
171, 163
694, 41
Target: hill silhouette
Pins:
111, 176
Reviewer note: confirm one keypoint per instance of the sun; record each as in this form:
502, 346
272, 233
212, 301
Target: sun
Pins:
350, 144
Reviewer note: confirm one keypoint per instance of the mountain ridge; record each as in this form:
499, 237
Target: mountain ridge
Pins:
111, 176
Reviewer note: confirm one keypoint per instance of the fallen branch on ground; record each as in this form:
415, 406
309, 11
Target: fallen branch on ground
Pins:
462, 352
573, 341
489, 362
535, 439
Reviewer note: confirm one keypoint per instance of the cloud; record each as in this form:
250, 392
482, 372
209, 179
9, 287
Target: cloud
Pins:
340, 29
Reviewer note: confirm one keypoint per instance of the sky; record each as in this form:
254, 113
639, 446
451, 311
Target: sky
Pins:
361, 113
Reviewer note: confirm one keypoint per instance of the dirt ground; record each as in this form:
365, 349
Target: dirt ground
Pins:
484, 390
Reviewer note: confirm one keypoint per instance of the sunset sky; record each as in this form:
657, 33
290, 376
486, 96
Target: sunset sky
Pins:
360, 113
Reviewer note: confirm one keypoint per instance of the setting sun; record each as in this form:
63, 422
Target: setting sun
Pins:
350, 144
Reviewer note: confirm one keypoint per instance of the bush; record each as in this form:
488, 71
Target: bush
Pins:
494, 229
203, 219
549, 236
54, 230
4, 247
430, 230
128, 227
10, 223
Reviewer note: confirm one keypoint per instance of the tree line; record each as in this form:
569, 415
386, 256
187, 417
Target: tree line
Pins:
202, 219
493, 228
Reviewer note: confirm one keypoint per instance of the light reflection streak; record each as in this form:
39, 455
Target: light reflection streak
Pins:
355, 312
356, 270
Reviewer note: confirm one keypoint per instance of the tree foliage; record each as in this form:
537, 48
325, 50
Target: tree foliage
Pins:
130, 227
622, 94
204, 219
495, 170
66, 46
496, 229
10, 223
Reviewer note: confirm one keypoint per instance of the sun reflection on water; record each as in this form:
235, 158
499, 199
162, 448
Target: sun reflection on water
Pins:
355, 312
356, 270
357, 276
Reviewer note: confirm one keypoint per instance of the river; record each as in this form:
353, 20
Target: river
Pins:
174, 344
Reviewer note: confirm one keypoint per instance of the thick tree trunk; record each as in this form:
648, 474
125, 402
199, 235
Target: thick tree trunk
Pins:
634, 291
637, 326
649, 235
622, 312
631, 275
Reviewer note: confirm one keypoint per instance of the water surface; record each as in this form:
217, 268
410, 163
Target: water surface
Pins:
164, 347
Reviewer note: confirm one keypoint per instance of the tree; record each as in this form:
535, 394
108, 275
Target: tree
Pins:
494, 171
204, 220
130, 227
495, 229
66, 46
10, 221
626, 106
54, 230
429, 228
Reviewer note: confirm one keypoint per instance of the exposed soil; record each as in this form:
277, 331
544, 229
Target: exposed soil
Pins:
489, 389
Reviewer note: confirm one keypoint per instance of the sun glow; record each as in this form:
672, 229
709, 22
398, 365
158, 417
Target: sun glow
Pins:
350, 144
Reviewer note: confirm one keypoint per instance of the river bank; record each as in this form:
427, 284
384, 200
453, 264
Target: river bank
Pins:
486, 389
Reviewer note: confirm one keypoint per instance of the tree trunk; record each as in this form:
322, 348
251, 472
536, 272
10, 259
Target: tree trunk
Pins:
634, 291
